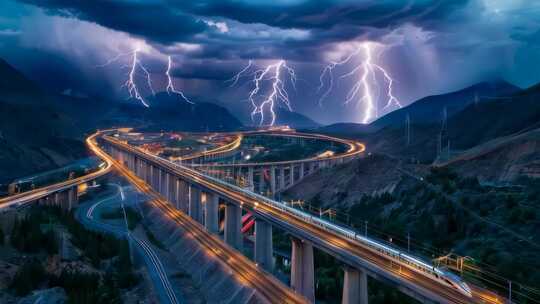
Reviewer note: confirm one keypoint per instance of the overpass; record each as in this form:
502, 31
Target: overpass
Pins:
274, 177
64, 194
190, 193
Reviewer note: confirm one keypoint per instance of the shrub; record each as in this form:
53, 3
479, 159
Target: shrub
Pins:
28, 277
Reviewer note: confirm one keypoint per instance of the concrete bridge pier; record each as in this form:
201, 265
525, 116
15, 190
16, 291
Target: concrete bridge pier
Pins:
172, 189
211, 213
281, 184
250, 178
354, 286
273, 180
303, 269
261, 180
72, 198
264, 245
194, 203
291, 175
302, 170
233, 226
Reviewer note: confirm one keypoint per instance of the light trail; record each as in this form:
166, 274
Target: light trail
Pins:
365, 90
276, 74
170, 86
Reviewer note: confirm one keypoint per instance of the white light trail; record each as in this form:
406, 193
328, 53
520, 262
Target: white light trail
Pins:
276, 75
170, 86
365, 91
130, 83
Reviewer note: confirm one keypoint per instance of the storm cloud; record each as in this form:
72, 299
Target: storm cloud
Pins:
430, 47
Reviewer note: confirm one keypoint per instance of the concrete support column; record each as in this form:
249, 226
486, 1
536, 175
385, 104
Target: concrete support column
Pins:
302, 170
194, 203
250, 178
281, 178
177, 193
354, 286
73, 199
302, 269
273, 180
211, 213
263, 245
172, 189
261, 180
185, 197
233, 226
291, 175
163, 183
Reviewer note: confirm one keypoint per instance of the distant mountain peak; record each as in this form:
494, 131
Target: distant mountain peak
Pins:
429, 109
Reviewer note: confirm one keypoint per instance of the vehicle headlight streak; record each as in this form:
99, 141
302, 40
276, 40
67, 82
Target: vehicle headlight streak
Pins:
366, 90
277, 75
170, 86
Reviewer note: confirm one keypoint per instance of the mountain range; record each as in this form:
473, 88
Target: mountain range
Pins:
501, 109
41, 130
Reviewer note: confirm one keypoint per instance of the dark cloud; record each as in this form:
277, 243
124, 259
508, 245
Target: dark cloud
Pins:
430, 46
153, 21
323, 14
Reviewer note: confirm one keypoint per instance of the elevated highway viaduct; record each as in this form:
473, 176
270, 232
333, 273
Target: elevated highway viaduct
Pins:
197, 195
64, 194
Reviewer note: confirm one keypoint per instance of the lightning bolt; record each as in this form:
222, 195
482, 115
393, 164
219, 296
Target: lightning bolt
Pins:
276, 75
130, 83
170, 86
236, 77
366, 90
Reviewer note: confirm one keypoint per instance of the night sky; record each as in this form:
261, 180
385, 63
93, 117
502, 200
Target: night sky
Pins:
427, 47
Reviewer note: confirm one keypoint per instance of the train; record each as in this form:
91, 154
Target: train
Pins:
443, 276
417, 265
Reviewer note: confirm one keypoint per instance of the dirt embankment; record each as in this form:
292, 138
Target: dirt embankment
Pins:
347, 183
503, 159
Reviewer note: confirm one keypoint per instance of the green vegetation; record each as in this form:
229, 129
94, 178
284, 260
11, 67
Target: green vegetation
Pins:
282, 148
113, 214
81, 287
28, 237
497, 226
133, 218
28, 277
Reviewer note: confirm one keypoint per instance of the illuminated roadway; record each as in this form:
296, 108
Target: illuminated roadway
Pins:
244, 270
345, 249
354, 149
36, 194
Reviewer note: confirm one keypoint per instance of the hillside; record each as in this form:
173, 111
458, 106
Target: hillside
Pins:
473, 125
443, 213
294, 120
34, 135
504, 159
41, 130
429, 109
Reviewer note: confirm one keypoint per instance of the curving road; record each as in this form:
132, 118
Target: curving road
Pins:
243, 269
34, 195
86, 215
345, 248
